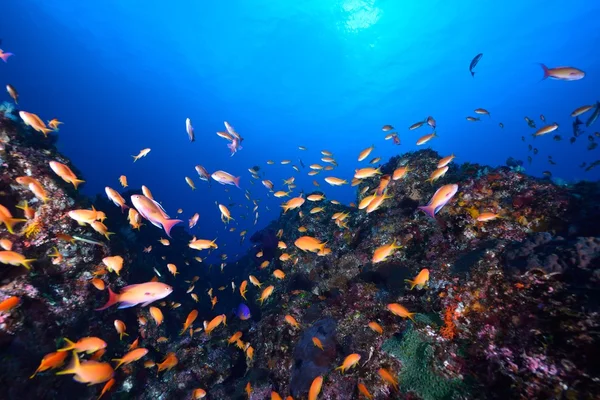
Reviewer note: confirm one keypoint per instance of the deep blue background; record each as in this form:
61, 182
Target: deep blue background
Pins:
124, 75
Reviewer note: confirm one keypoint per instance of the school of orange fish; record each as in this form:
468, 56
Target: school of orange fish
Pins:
144, 207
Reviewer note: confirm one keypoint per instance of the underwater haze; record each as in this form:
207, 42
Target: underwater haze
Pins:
323, 74
401, 200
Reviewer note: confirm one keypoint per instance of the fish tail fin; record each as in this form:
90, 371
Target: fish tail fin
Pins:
119, 362
10, 222
429, 210
70, 345
4, 56
113, 298
77, 182
473, 74
411, 316
36, 371
546, 71
412, 283
73, 366
124, 207
107, 235
169, 224
27, 263
236, 181
46, 131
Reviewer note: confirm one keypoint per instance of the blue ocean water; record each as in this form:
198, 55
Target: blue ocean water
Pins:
323, 74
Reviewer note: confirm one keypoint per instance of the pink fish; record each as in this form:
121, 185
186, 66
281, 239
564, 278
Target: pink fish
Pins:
202, 173
234, 146
439, 199
154, 213
141, 293
563, 73
225, 178
194, 220
4, 56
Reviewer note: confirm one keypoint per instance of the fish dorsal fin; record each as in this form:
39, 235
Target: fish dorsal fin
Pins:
160, 207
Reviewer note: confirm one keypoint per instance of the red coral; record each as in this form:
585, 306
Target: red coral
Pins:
448, 331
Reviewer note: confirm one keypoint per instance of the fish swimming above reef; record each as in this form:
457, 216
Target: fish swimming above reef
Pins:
474, 63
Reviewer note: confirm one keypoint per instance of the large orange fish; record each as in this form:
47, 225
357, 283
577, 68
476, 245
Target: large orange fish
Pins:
91, 372
442, 196
154, 213
141, 293
65, 173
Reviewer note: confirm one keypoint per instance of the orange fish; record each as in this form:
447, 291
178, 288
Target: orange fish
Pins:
114, 263
388, 377
243, 289
65, 173
14, 258
248, 389
254, 281
349, 362
107, 387
317, 342
134, 345
172, 269
215, 322
333, 181
383, 252
121, 328
279, 274
101, 229
250, 353
51, 361
141, 293
400, 173
234, 338
34, 121
198, 394
266, 293
157, 315
87, 344
13, 93
27, 211
420, 280
400, 311
445, 161
91, 372
364, 391
376, 327
7, 219
130, 357
98, 283
123, 181
275, 396
8, 304
487, 216
315, 388
189, 321
308, 243
563, 73
169, 362
54, 123
426, 138
97, 355
34, 186
292, 321
6, 244
116, 198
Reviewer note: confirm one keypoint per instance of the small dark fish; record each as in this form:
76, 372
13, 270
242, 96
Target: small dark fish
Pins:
396, 140
558, 138
597, 134
529, 159
593, 165
535, 151
577, 121
301, 163
530, 147
590, 138
530, 122
474, 63
501, 125
542, 117
572, 140
547, 174
594, 116
472, 119
551, 161
592, 146
523, 138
